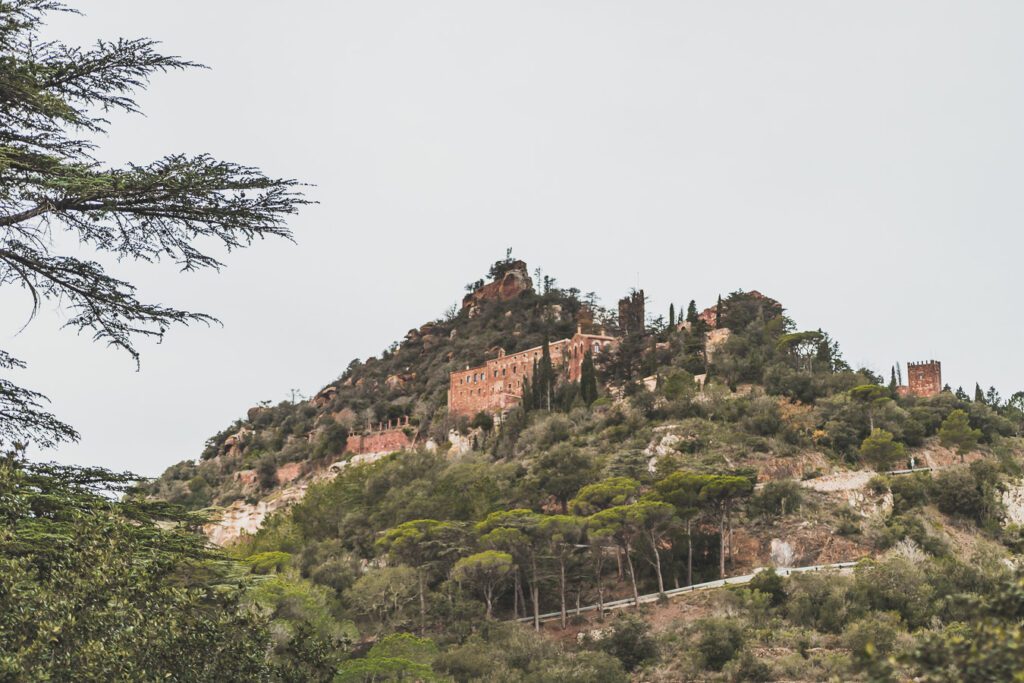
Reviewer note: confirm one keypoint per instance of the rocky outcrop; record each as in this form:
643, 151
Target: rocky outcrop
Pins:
514, 281
716, 339
241, 517
325, 396
791, 467
288, 472
1013, 499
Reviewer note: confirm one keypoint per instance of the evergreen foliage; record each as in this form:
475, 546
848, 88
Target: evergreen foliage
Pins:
56, 99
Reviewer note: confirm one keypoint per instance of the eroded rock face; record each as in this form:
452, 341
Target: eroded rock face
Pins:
288, 472
1013, 499
782, 553
246, 518
515, 280
460, 444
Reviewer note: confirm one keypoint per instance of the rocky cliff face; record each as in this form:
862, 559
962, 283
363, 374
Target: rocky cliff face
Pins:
513, 281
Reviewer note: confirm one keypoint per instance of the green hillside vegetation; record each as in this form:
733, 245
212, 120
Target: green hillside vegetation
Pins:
554, 509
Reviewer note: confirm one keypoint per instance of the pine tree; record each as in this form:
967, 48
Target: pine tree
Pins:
588, 380
961, 394
671, 315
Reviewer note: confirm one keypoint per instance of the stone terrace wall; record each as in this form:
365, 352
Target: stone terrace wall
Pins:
386, 439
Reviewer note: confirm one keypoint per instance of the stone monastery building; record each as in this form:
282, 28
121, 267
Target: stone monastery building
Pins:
497, 385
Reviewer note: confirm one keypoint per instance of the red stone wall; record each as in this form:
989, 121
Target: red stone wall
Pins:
924, 379
386, 440
497, 385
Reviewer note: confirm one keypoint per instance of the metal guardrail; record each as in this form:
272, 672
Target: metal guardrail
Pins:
707, 585
911, 471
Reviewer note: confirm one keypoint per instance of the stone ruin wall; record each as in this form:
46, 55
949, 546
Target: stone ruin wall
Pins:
388, 437
497, 385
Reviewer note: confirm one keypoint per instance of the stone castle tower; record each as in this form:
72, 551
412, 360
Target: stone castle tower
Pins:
924, 378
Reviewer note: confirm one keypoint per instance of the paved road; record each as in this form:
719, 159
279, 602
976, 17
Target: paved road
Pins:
708, 585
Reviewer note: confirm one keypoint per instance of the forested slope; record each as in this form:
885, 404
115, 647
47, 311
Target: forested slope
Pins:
654, 484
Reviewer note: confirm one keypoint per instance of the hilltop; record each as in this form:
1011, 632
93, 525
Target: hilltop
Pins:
532, 450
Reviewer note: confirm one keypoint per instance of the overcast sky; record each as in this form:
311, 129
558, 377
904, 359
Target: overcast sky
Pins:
861, 162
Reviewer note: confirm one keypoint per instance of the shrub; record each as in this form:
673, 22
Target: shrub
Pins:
871, 637
818, 601
269, 562
630, 642
719, 640
880, 450
959, 492
879, 484
771, 584
896, 584
909, 492
482, 420
748, 667
777, 498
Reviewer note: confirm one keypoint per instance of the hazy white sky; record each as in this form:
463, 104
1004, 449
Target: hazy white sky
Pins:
861, 162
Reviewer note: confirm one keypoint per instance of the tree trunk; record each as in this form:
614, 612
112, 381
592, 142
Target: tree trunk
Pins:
632, 578
535, 594
515, 593
423, 603
487, 598
522, 596
561, 588
721, 546
657, 564
728, 519
689, 554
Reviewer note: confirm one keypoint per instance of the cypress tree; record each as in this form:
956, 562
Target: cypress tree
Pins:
892, 379
718, 312
538, 381
546, 382
588, 380
691, 312
979, 395
671, 315
528, 402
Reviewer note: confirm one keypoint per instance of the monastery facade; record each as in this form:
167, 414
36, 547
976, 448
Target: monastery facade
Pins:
497, 385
